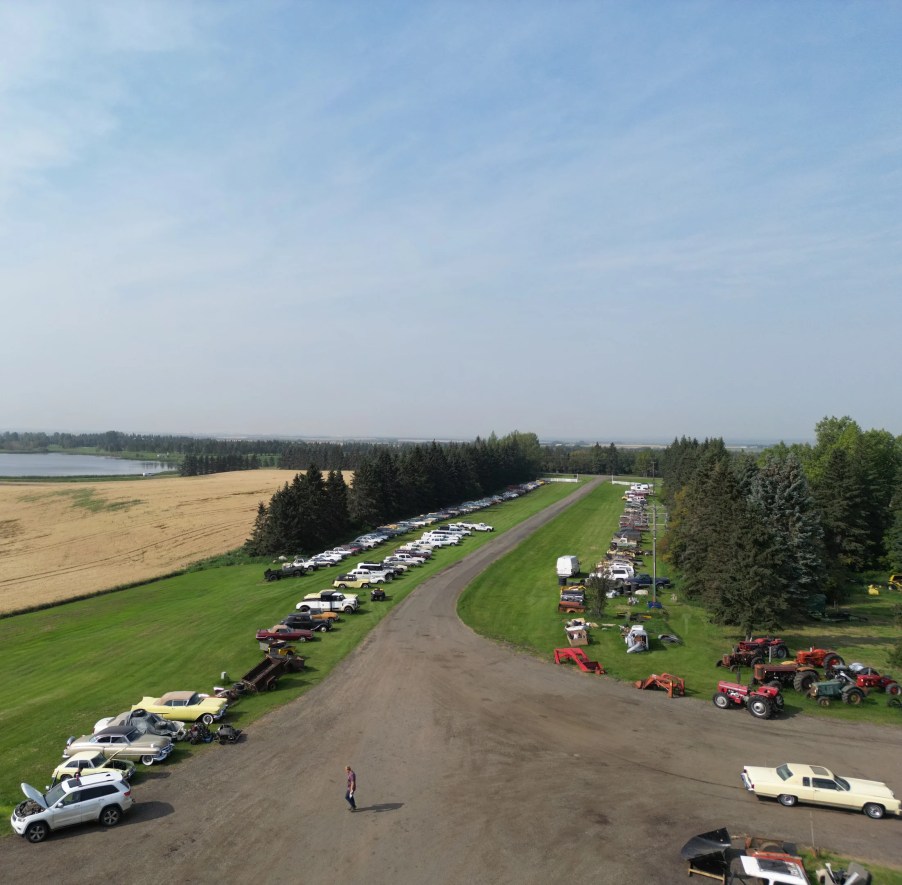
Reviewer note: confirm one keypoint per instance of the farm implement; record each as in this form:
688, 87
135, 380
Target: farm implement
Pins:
578, 657
673, 685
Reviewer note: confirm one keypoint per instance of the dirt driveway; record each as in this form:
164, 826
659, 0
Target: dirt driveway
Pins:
476, 764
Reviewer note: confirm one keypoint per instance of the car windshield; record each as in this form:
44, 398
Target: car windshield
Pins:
842, 783
52, 796
784, 772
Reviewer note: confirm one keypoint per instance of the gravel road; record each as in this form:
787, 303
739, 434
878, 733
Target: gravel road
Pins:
475, 764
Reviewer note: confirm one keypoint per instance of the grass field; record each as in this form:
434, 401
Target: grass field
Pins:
76, 662
64, 540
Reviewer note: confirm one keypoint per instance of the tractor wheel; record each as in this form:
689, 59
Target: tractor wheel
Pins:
780, 652
894, 702
823, 702
721, 700
893, 689
873, 810
852, 695
760, 708
787, 800
832, 659
779, 703
758, 659
735, 669
774, 683
803, 680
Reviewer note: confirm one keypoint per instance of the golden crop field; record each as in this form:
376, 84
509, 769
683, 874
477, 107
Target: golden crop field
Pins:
59, 541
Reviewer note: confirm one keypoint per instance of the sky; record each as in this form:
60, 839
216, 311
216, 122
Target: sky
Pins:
590, 220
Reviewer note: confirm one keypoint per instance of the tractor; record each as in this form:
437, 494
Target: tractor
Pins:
799, 676
836, 690
769, 647
735, 659
819, 657
763, 701
865, 677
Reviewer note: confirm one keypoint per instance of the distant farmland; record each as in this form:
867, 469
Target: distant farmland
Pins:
59, 541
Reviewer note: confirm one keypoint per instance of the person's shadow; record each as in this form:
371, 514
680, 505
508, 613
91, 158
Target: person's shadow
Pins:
383, 806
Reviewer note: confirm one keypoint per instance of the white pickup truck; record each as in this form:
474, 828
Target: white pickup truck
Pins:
329, 601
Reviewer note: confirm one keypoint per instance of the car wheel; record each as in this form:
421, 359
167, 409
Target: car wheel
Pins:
148, 760
348, 609
37, 832
721, 700
342, 586
873, 810
207, 719
304, 608
365, 585
110, 816
787, 800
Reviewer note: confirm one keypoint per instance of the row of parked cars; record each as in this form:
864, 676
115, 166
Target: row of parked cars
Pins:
92, 783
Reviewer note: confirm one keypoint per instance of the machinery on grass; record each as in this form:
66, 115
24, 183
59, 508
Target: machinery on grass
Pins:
836, 690
865, 677
762, 701
578, 657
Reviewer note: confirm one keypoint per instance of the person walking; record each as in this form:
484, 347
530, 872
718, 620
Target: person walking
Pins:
352, 787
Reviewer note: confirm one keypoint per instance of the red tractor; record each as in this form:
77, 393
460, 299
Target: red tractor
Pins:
865, 677
762, 701
819, 657
769, 647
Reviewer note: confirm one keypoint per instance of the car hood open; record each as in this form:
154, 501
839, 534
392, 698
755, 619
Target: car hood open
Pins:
34, 794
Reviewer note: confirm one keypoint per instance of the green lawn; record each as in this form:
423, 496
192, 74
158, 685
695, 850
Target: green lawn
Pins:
67, 666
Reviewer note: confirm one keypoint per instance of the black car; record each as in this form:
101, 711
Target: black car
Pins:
303, 621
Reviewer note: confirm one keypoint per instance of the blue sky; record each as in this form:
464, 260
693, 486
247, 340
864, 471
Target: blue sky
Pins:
612, 221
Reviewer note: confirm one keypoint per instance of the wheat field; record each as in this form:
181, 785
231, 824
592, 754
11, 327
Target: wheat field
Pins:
59, 541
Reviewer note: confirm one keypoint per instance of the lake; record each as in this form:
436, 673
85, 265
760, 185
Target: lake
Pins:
60, 464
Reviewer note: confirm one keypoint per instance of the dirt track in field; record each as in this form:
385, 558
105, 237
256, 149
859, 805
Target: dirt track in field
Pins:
476, 764
63, 540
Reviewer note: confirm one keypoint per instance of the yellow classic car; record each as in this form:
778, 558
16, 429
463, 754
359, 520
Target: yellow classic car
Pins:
90, 762
794, 782
188, 705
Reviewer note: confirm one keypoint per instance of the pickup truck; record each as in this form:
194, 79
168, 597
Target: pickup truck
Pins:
330, 601
290, 570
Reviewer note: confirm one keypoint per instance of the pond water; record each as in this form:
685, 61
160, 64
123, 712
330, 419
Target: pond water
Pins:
60, 464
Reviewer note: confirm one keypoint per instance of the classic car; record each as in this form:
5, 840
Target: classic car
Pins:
190, 706
90, 762
122, 742
283, 631
794, 782
147, 723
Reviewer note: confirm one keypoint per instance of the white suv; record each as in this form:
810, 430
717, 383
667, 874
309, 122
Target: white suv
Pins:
102, 797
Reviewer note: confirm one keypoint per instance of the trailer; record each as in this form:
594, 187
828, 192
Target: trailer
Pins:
264, 676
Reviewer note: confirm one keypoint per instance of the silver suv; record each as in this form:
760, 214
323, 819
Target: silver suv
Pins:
102, 797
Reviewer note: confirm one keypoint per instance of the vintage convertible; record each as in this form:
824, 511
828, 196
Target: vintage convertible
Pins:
90, 762
189, 706
794, 782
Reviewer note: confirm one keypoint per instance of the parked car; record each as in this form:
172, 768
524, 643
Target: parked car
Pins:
794, 782
356, 582
122, 742
285, 633
91, 762
306, 621
481, 527
188, 705
101, 797
147, 723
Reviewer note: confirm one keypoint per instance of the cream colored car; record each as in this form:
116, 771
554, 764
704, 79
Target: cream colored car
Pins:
794, 782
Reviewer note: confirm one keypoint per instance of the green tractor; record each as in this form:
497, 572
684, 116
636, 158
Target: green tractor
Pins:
836, 690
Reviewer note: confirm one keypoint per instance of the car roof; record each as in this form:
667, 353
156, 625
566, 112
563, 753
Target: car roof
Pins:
116, 729
178, 695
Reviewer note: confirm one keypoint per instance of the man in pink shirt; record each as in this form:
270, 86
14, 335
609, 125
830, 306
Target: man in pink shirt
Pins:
352, 788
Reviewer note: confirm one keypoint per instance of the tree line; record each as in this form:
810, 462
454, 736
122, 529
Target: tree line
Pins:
598, 459
755, 538
313, 512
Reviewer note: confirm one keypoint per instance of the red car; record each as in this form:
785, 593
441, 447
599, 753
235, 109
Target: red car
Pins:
283, 631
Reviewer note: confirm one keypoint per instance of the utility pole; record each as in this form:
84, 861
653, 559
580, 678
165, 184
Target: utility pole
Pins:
654, 552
